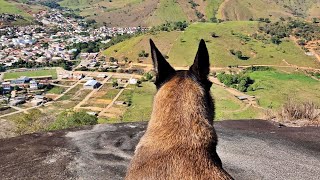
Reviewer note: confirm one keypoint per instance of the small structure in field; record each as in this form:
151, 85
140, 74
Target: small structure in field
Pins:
133, 81
92, 84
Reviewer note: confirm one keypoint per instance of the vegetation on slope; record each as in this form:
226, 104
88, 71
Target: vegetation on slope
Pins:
222, 39
246, 9
167, 10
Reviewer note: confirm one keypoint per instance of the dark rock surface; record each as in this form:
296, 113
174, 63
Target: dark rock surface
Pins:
248, 149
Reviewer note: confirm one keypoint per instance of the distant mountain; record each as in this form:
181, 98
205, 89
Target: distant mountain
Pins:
155, 12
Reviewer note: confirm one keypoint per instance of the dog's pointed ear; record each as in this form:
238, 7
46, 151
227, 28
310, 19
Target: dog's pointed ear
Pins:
162, 68
201, 64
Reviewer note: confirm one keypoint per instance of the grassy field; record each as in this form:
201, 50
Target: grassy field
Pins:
141, 107
168, 10
274, 88
184, 49
36, 73
132, 47
72, 94
57, 90
227, 106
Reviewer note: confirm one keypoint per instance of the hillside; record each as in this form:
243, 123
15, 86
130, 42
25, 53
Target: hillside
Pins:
16, 7
274, 9
155, 12
143, 12
229, 36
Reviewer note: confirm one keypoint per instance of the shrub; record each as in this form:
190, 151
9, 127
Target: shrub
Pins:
292, 110
70, 119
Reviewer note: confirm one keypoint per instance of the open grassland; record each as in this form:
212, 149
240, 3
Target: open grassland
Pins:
229, 107
132, 47
57, 90
259, 53
167, 10
141, 103
35, 73
275, 88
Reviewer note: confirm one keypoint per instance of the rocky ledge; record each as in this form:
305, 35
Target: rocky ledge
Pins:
249, 149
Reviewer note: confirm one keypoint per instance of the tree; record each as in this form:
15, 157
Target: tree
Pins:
275, 40
143, 53
148, 76
138, 83
238, 54
115, 83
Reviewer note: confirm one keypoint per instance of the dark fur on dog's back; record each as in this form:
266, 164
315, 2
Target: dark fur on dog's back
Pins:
180, 141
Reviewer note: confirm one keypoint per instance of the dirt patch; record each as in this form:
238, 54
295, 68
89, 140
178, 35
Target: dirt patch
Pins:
7, 129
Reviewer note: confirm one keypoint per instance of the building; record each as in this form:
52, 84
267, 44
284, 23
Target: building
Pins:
6, 87
91, 84
21, 80
33, 85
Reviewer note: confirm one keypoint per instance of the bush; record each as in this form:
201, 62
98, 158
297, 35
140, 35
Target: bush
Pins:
292, 110
70, 119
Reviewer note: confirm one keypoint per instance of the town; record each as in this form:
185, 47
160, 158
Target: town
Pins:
42, 63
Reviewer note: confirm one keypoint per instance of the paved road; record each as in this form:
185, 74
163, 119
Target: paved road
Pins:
253, 149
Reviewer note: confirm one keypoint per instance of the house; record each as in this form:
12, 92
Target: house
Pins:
17, 101
6, 87
91, 84
38, 100
21, 80
33, 85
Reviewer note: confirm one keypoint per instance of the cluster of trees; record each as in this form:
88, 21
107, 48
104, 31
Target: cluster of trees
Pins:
51, 4
88, 47
193, 4
240, 81
143, 53
71, 119
67, 65
170, 26
281, 29
117, 39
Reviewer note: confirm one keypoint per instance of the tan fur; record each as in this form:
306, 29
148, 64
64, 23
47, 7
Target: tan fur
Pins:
180, 141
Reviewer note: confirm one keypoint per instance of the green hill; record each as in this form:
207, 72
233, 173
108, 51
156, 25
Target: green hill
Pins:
181, 47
